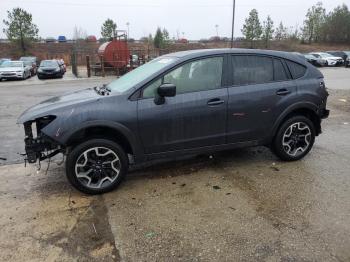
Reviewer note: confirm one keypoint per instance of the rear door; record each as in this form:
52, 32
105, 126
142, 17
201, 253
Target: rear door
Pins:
260, 85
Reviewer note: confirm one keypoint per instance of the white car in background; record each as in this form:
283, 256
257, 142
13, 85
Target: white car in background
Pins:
14, 70
330, 59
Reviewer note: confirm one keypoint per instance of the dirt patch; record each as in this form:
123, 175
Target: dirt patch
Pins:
90, 239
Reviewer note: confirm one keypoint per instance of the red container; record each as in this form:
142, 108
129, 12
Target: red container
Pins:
91, 38
115, 53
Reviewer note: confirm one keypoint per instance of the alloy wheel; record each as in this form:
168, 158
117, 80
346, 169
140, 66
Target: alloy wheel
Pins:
296, 139
97, 167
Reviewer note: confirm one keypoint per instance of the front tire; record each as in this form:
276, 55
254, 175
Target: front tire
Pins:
96, 166
294, 138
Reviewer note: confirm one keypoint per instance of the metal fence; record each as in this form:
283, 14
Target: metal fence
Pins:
93, 64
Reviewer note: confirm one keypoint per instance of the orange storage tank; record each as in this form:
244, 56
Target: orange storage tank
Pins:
115, 53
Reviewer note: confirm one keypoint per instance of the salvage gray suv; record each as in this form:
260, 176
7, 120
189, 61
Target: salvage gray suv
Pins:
190, 102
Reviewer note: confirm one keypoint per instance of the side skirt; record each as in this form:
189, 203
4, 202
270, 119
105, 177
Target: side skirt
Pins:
201, 150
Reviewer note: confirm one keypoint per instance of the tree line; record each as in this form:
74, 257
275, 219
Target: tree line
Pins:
161, 38
319, 26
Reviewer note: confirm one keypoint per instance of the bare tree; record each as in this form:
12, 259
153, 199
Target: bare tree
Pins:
79, 33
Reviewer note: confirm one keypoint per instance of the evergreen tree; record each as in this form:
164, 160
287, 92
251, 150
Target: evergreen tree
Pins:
252, 29
20, 28
268, 31
315, 19
281, 32
108, 29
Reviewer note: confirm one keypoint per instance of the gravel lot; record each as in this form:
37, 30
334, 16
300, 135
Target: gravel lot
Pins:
241, 205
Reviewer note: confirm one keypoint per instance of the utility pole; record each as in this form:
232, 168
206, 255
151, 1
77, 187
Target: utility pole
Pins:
233, 21
128, 24
217, 31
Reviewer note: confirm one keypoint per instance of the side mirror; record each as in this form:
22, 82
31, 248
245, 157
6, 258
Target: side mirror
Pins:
165, 90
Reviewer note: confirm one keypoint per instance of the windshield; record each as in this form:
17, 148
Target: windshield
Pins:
134, 77
325, 55
3, 61
11, 64
48, 63
27, 58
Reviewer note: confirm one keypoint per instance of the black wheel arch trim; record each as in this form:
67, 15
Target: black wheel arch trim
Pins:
294, 107
117, 127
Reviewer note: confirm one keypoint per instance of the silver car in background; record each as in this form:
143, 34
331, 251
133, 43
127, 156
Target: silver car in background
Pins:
14, 70
331, 60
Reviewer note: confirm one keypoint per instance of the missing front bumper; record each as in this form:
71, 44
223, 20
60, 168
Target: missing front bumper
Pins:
40, 147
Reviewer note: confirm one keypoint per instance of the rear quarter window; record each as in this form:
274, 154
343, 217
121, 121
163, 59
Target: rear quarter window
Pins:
297, 70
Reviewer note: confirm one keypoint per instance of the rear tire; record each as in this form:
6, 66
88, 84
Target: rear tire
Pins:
96, 166
294, 138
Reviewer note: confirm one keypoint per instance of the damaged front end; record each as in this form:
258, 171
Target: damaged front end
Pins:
39, 146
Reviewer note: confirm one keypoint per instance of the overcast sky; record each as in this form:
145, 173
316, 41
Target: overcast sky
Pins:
196, 18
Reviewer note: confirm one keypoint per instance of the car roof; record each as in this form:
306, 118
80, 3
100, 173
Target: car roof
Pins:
204, 52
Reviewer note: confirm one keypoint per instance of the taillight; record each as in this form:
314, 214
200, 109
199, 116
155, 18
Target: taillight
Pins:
322, 84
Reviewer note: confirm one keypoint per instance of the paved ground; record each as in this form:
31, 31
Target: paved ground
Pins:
17, 96
241, 205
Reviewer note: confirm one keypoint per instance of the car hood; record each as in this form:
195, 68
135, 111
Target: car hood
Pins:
55, 105
10, 69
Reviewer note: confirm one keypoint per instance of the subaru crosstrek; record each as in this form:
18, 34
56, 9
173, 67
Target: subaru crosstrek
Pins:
191, 102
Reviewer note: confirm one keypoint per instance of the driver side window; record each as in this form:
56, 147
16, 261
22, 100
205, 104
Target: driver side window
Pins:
199, 75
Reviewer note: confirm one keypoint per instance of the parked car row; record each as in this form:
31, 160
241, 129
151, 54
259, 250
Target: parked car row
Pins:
63, 39
329, 58
27, 66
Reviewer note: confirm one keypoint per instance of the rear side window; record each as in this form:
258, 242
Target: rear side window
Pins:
297, 70
279, 71
250, 69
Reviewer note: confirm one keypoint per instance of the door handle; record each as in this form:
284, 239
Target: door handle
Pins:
283, 92
215, 102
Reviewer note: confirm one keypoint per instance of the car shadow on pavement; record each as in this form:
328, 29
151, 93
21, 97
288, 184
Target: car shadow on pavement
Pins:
194, 163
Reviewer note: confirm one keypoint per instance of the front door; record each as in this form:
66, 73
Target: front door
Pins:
195, 117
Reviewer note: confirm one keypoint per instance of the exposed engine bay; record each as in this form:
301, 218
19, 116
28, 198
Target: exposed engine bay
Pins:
38, 146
